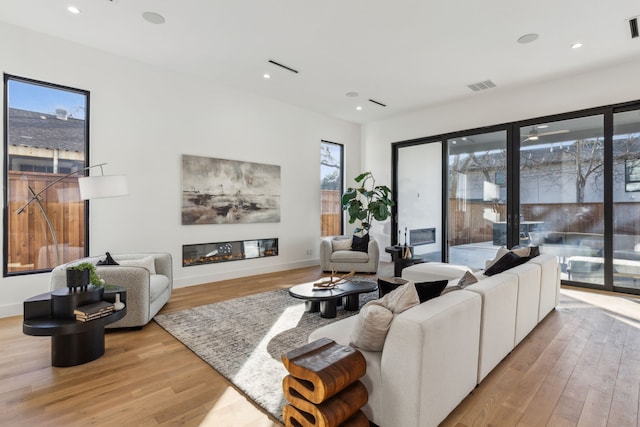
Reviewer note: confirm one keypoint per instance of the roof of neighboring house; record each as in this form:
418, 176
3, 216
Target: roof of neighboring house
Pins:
41, 130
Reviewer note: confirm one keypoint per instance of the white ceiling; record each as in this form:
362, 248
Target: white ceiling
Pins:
407, 54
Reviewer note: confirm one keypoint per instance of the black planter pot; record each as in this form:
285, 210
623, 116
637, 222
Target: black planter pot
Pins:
77, 278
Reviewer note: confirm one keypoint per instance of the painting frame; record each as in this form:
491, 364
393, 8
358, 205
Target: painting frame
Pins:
223, 191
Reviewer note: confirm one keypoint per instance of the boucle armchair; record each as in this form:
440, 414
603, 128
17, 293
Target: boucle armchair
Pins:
336, 255
147, 277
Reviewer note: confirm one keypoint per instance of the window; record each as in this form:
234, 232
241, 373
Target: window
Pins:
46, 138
632, 175
331, 188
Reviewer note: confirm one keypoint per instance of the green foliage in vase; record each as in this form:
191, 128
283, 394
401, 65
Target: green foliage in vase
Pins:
367, 202
94, 278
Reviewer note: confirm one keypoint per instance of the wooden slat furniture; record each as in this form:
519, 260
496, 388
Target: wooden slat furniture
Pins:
322, 387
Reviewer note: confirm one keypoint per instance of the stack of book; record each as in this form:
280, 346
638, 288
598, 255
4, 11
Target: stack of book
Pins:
93, 311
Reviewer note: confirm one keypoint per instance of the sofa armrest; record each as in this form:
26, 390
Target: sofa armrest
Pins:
325, 254
164, 266
373, 249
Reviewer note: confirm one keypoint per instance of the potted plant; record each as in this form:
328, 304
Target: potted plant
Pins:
83, 274
366, 203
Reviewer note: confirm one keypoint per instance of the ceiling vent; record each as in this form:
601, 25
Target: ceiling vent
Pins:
633, 27
277, 64
378, 103
487, 84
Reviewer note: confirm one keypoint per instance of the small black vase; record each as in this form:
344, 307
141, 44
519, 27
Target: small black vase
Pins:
77, 278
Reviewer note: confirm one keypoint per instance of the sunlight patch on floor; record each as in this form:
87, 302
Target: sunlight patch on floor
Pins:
623, 307
232, 409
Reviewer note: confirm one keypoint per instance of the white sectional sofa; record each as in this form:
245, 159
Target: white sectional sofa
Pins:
437, 352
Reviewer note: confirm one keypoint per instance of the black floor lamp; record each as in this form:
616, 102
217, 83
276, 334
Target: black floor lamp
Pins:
91, 187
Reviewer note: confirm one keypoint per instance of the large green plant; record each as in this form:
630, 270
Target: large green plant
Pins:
367, 202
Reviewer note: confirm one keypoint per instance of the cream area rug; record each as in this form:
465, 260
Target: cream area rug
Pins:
244, 338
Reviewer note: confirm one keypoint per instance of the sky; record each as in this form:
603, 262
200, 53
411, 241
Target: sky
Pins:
43, 99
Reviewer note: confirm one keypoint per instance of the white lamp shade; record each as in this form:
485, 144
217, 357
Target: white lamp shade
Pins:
97, 187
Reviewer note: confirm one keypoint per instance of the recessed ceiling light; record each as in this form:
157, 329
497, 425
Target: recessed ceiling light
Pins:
266, 75
542, 126
576, 46
352, 94
359, 108
153, 18
73, 9
528, 38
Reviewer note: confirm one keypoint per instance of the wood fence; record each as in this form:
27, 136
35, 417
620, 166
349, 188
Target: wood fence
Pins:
330, 213
30, 245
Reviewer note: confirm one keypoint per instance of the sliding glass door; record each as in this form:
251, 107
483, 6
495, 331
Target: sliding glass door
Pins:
626, 200
477, 197
562, 194
569, 184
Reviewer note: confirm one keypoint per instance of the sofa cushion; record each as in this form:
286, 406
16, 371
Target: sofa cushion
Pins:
371, 327
427, 271
158, 283
349, 256
360, 244
509, 260
146, 262
341, 245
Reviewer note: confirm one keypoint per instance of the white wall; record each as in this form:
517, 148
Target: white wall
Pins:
609, 85
142, 120
420, 171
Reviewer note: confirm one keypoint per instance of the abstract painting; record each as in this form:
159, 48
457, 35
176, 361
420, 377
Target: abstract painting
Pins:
219, 191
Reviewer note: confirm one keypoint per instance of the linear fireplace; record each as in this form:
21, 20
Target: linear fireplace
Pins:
422, 236
208, 253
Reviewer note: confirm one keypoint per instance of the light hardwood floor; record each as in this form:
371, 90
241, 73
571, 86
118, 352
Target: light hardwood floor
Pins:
580, 366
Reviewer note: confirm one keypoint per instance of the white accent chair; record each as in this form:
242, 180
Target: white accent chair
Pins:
148, 279
335, 257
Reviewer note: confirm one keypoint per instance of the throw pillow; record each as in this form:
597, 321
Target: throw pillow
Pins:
387, 285
360, 244
341, 245
400, 299
501, 252
521, 251
372, 325
147, 262
429, 290
467, 279
509, 260
108, 260
534, 251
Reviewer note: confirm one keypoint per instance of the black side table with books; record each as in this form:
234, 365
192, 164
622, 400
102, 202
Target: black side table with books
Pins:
73, 341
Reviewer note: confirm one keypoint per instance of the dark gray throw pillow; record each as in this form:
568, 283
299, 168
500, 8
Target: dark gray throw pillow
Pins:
360, 244
429, 290
509, 260
387, 285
